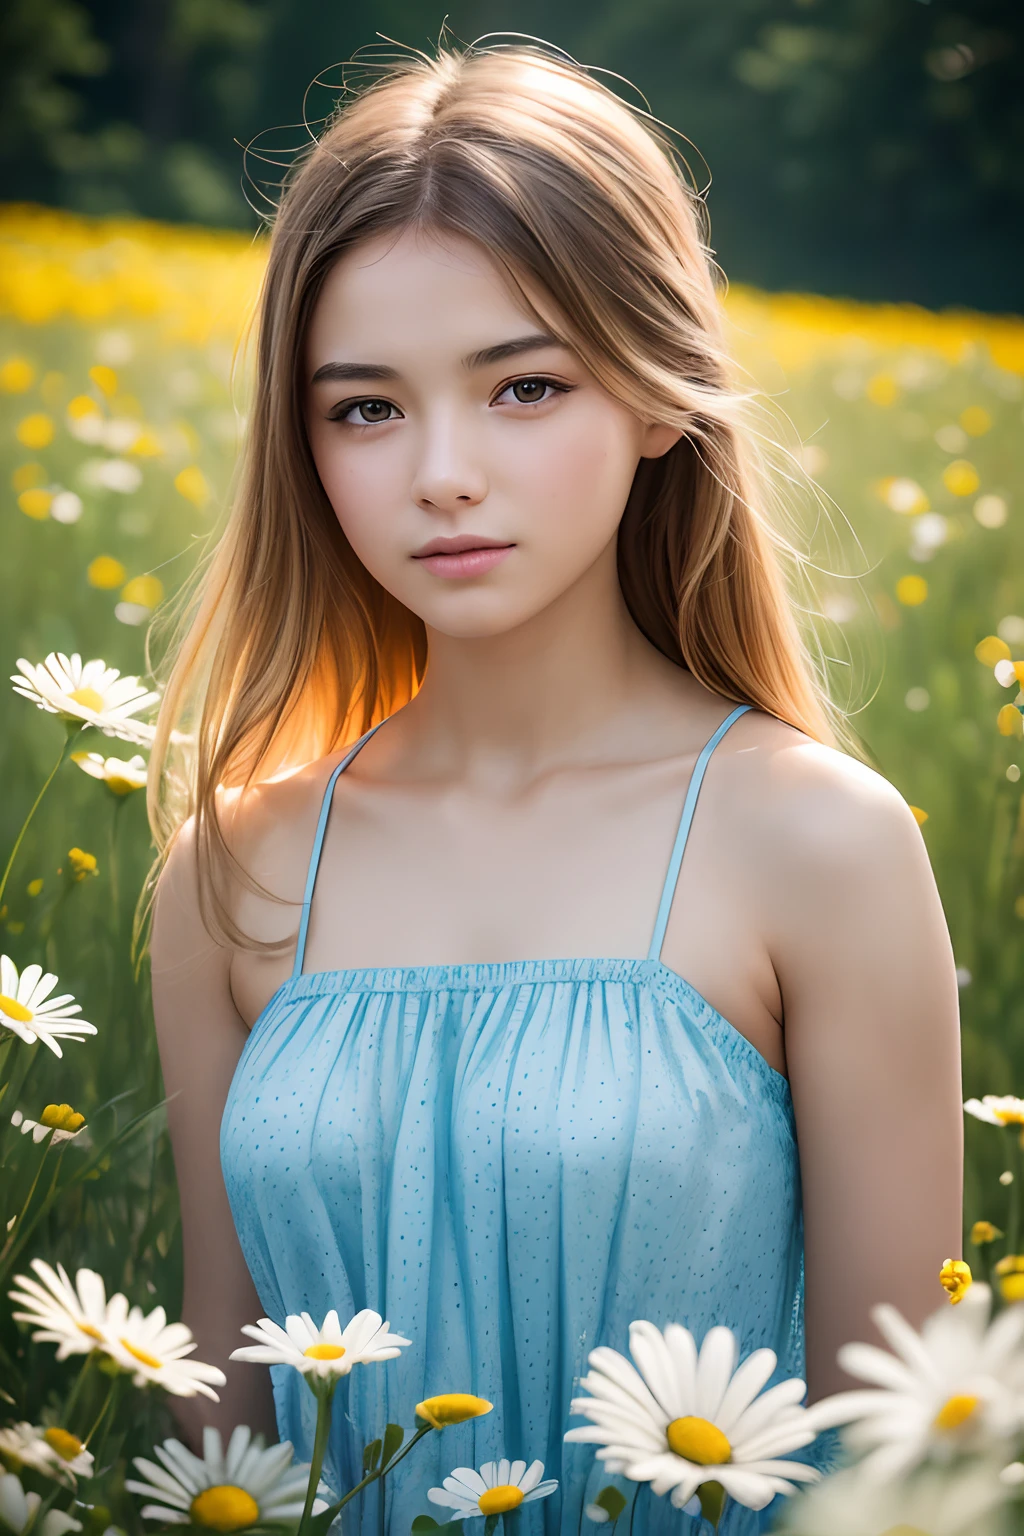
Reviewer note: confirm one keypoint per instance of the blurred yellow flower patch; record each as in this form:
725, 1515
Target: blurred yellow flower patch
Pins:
105, 379
1010, 721
35, 431
36, 503
28, 475
191, 483
16, 375
911, 590
105, 572
961, 477
976, 421
991, 650
147, 591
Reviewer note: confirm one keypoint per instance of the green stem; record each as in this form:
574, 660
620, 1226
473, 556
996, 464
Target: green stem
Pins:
72, 732
325, 1399
372, 1477
15, 1232
1013, 1222
491, 1524
76, 1390
102, 1413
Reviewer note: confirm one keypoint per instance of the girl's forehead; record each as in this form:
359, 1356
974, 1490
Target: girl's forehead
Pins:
416, 288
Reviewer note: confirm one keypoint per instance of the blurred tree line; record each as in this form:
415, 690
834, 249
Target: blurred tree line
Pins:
866, 148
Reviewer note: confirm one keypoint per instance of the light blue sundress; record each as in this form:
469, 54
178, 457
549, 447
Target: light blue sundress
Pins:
510, 1162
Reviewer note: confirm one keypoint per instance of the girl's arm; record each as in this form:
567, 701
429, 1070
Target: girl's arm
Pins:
201, 1035
866, 970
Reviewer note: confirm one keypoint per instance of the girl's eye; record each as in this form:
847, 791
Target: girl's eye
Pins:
531, 391
371, 412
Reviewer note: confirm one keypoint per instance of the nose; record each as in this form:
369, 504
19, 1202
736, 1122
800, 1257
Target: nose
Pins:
449, 474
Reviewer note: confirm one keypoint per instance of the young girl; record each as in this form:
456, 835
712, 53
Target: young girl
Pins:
465, 1015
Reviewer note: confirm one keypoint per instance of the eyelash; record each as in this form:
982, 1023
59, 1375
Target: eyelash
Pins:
527, 378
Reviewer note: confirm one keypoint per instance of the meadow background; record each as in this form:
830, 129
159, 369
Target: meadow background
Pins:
122, 401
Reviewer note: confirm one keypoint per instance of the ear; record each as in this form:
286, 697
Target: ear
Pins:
657, 439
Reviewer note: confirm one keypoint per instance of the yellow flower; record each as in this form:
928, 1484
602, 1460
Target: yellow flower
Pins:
28, 475
36, 503
975, 420
911, 590
961, 477
1010, 721
61, 1117
919, 815
34, 887
35, 431
105, 572
147, 591
147, 445
452, 1408
882, 389
1010, 1264
82, 863
104, 378
984, 1232
191, 483
956, 1278
82, 405
992, 649
17, 375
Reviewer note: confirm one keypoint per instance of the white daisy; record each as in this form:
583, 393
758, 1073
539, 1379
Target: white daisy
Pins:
152, 1351
74, 1317
87, 693
997, 1109
28, 1011
60, 1122
321, 1353
18, 1511
119, 776
941, 1502
954, 1388
498, 1487
223, 1491
681, 1418
55, 1452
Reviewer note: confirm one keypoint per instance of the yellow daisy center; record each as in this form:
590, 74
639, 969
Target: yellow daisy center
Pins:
67, 1445
956, 1410
1009, 1116
698, 1440
88, 698
61, 1117
224, 1508
90, 1332
324, 1352
146, 1359
498, 1501
15, 1010
119, 785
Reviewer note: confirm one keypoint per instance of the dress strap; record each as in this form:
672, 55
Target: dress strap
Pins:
318, 843
669, 889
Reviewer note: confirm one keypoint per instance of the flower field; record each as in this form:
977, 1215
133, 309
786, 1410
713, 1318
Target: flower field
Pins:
122, 402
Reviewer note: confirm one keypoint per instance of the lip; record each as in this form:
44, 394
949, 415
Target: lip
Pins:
459, 543
471, 561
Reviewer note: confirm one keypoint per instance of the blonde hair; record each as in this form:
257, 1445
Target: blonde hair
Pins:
287, 647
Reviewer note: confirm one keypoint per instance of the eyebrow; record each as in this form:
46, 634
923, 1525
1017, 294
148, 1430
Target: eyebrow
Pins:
336, 372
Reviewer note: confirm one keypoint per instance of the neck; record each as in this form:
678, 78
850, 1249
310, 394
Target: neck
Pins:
551, 687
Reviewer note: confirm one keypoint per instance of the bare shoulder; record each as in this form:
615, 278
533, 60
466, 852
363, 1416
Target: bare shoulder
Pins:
839, 873
268, 831
812, 810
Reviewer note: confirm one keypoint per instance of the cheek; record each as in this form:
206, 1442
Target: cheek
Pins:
581, 470
361, 487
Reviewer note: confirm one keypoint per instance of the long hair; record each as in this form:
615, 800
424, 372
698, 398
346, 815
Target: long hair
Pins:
287, 647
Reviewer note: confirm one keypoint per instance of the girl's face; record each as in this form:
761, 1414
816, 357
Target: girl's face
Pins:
476, 467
